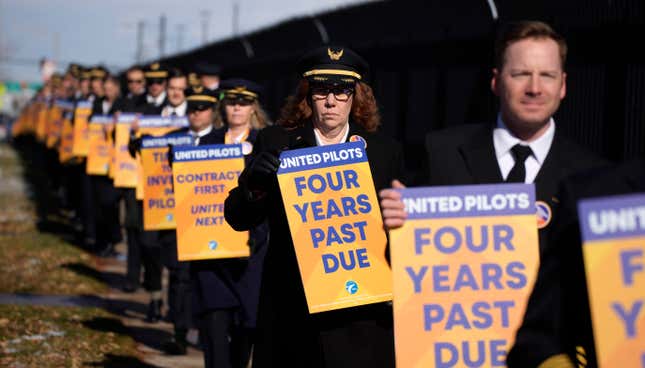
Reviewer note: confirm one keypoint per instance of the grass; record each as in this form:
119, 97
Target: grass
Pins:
45, 337
33, 261
39, 263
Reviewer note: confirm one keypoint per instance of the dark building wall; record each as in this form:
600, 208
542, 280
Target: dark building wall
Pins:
431, 64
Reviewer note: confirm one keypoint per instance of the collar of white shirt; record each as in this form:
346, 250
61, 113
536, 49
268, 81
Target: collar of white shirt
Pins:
504, 140
319, 141
179, 110
156, 100
202, 132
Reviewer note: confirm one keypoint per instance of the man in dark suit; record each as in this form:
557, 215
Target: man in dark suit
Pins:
136, 84
523, 145
557, 326
156, 97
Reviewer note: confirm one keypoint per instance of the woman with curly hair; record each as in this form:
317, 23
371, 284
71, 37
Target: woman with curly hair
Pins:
332, 104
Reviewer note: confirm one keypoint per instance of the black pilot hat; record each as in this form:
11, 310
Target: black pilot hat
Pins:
333, 64
200, 98
99, 72
86, 73
237, 89
74, 70
155, 72
205, 68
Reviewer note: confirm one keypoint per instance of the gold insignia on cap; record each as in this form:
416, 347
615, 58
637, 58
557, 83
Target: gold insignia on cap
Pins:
155, 66
335, 55
198, 89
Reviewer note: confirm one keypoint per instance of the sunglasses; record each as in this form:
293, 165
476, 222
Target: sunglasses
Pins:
137, 81
156, 81
197, 108
242, 101
340, 93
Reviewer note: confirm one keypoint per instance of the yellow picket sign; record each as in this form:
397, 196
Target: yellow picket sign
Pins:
66, 139
464, 264
613, 234
159, 200
202, 178
82, 112
41, 121
336, 226
98, 155
125, 167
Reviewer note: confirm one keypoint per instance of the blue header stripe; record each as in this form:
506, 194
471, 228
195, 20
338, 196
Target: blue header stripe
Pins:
84, 105
612, 217
469, 201
321, 157
206, 153
173, 140
127, 118
162, 121
102, 119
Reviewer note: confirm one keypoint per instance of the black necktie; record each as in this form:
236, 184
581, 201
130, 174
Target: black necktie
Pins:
518, 172
173, 113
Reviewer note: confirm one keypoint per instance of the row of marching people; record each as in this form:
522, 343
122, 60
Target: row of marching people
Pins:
95, 137
299, 242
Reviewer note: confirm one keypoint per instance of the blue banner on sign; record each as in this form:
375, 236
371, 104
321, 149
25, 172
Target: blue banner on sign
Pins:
102, 119
85, 104
614, 217
127, 118
322, 156
171, 139
162, 121
203, 153
469, 201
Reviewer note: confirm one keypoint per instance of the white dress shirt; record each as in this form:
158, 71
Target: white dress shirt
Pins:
320, 142
105, 106
197, 135
156, 100
179, 110
504, 140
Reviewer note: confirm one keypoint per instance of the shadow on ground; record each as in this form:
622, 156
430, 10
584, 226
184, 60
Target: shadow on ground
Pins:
118, 361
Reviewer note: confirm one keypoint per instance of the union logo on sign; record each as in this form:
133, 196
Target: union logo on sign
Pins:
212, 245
351, 287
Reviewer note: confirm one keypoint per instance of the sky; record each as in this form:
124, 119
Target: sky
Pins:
105, 31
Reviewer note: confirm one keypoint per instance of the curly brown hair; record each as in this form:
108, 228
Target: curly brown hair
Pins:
297, 109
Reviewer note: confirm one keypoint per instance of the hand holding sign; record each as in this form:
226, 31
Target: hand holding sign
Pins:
262, 171
392, 206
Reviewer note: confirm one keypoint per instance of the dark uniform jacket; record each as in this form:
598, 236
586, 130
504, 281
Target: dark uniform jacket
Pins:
557, 320
466, 155
235, 282
288, 336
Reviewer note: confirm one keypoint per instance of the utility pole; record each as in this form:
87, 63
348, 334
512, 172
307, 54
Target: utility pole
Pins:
181, 28
162, 35
140, 29
236, 18
206, 15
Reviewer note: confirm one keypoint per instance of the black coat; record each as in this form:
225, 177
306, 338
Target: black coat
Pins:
234, 282
466, 155
557, 320
133, 103
288, 336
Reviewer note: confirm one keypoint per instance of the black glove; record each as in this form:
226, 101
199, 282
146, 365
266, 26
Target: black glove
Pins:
134, 146
261, 171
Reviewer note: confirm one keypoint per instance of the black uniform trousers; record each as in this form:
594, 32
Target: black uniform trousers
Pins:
179, 284
142, 245
108, 227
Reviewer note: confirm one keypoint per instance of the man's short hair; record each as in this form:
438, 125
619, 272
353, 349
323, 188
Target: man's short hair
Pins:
176, 73
517, 31
134, 68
